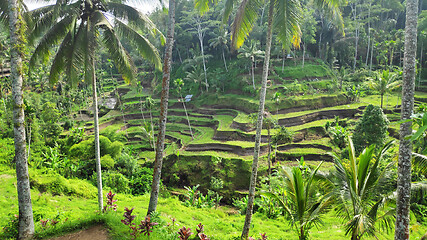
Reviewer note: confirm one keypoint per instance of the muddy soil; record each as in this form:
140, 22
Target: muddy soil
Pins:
98, 232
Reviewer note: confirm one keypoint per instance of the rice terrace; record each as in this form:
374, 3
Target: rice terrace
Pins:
197, 120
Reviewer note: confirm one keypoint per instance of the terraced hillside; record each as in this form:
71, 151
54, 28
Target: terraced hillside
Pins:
219, 140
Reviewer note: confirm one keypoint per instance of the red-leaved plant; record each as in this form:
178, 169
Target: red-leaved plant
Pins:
184, 233
110, 202
200, 228
44, 222
203, 236
146, 225
128, 221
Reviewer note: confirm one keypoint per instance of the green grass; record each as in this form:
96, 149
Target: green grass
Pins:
222, 223
297, 72
224, 122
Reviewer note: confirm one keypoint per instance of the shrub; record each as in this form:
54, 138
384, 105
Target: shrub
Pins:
126, 164
370, 129
107, 162
7, 151
140, 183
10, 231
116, 181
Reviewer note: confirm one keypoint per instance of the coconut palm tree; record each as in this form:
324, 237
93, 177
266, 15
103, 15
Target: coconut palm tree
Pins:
384, 82
160, 145
221, 41
303, 206
357, 191
179, 84
149, 104
78, 28
405, 146
252, 53
13, 13
284, 17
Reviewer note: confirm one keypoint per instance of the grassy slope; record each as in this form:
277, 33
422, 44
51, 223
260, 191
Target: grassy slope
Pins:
222, 223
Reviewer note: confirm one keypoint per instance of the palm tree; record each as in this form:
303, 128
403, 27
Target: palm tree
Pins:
196, 76
384, 82
17, 40
158, 162
221, 42
78, 27
284, 17
251, 52
302, 204
405, 145
149, 104
179, 84
358, 192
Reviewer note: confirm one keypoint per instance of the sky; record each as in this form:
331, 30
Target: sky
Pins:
141, 5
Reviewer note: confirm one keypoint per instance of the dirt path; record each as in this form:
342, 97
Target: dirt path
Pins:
93, 233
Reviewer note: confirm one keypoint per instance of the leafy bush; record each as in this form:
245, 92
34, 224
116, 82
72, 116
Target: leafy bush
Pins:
241, 204
107, 162
140, 182
7, 151
10, 231
196, 199
58, 185
370, 129
126, 164
116, 181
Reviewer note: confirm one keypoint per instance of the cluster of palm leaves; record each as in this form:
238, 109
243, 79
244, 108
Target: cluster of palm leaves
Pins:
74, 31
354, 190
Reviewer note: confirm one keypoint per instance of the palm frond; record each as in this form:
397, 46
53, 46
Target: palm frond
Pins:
50, 39
332, 10
142, 44
287, 20
119, 54
134, 17
202, 6
228, 8
244, 21
420, 162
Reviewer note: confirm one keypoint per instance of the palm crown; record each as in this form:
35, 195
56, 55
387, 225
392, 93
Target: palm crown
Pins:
79, 26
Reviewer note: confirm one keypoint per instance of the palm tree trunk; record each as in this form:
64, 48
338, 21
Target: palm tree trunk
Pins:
369, 35
354, 8
225, 62
269, 153
405, 147
253, 74
29, 142
382, 96
152, 129
97, 150
251, 197
372, 55
200, 35
163, 110
188, 119
303, 55
26, 221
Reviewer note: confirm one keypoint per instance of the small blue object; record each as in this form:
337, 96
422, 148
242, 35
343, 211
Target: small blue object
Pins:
188, 98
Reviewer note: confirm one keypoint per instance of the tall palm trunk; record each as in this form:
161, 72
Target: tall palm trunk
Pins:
269, 153
26, 221
97, 150
163, 110
188, 119
251, 197
225, 62
405, 147
253, 72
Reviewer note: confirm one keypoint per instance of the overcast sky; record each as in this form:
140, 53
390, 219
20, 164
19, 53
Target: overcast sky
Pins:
141, 5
